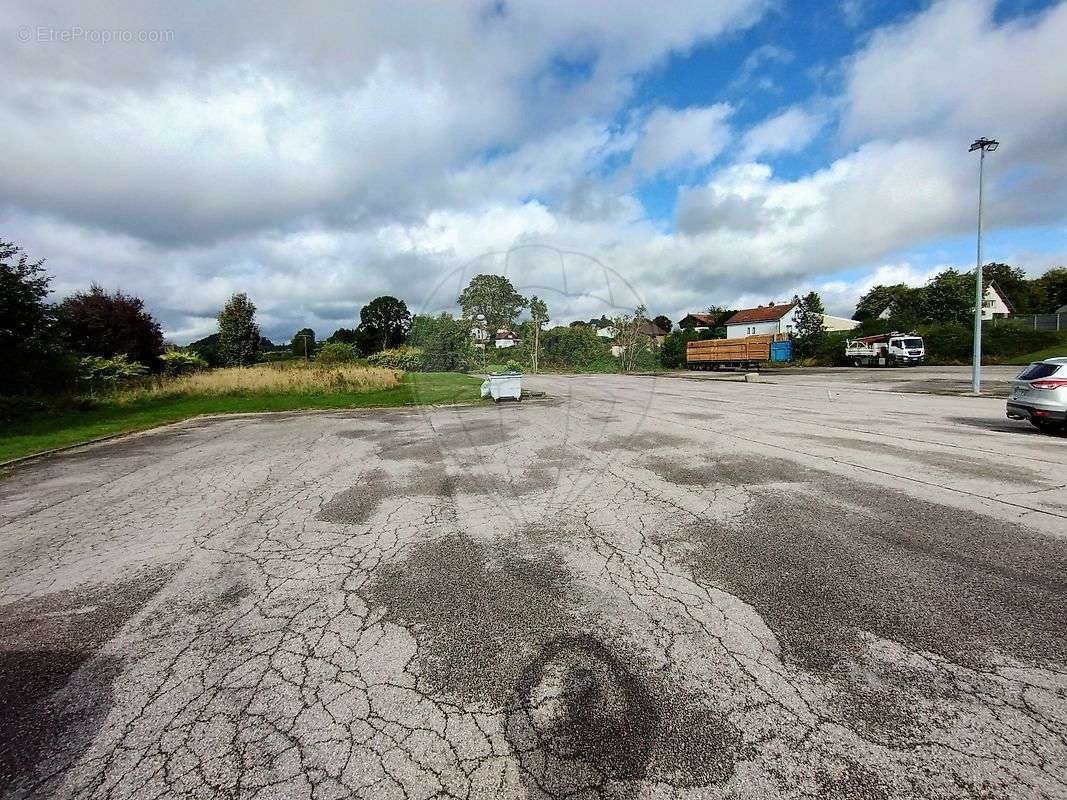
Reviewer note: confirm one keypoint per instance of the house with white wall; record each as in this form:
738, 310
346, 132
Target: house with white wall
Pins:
777, 318
832, 323
505, 338
772, 318
995, 303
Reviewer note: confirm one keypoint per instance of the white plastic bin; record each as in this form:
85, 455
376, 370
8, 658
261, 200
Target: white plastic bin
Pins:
506, 386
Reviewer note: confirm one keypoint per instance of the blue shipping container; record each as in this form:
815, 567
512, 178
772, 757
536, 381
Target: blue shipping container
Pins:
782, 351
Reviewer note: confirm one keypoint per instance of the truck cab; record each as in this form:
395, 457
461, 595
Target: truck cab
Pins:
906, 350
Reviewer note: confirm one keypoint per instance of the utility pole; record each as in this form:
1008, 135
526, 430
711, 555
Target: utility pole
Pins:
982, 145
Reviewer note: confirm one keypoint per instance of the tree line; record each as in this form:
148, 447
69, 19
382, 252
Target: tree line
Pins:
949, 296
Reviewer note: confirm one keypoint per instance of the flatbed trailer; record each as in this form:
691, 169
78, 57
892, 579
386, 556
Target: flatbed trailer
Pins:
746, 353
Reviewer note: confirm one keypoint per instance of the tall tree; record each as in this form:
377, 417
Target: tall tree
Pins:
238, 332
493, 297
384, 322
879, 298
103, 324
949, 297
538, 316
664, 322
810, 331
24, 315
1012, 282
1052, 290
303, 343
26, 322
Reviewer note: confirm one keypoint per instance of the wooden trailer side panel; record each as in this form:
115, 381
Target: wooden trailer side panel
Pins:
749, 349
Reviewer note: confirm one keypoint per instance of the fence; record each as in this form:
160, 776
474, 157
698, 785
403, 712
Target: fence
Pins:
1039, 322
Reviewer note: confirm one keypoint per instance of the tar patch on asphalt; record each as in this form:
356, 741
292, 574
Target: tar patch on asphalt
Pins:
54, 692
582, 721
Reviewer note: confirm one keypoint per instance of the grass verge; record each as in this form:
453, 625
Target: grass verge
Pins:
44, 432
1056, 351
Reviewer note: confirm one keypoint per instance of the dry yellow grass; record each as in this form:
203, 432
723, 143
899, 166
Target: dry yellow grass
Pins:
271, 379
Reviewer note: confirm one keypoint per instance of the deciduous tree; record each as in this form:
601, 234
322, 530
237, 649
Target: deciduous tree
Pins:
629, 337
383, 323
238, 332
31, 355
109, 324
538, 316
495, 298
810, 330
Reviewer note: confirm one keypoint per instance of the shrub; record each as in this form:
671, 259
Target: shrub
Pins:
445, 342
672, 351
181, 362
273, 356
577, 348
512, 366
406, 358
331, 353
108, 373
1007, 341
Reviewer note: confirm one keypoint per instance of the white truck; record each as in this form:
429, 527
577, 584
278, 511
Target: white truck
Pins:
885, 350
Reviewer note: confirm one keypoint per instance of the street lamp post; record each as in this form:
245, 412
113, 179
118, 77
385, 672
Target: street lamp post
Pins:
482, 326
982, 145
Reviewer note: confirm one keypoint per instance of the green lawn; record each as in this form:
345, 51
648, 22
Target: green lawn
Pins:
48, 431
1057, 350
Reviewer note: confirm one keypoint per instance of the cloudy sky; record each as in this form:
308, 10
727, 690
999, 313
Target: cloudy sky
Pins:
601, 153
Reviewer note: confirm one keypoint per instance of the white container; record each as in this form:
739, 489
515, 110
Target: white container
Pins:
506, 386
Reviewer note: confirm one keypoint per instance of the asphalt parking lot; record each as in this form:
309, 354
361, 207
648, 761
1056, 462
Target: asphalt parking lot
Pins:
827, 584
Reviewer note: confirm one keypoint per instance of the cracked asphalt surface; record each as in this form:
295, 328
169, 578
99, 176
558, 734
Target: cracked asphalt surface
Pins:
638, 587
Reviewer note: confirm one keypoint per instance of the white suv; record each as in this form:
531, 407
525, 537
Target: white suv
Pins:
1040, 394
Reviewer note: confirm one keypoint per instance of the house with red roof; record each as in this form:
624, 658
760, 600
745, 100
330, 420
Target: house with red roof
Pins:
777, 318
703, 322
773, 318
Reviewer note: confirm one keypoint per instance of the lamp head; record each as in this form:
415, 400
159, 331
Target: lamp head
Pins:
988, 145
